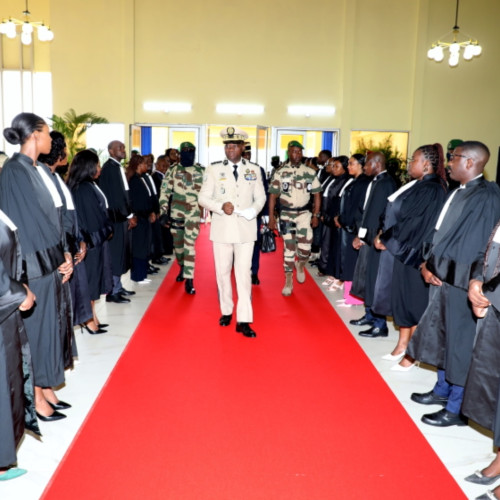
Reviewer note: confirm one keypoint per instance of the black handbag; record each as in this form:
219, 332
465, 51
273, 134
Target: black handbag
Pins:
268, 240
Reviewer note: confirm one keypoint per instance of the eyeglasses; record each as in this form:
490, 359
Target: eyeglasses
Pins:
453, 155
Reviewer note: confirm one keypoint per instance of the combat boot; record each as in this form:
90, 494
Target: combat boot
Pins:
189, 287
301, 275
180, 276
287, 290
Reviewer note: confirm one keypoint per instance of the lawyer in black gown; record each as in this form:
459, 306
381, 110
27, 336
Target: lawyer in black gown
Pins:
365, 274
333, 261
29, 197
352, 198
142, 205
17, 410
114, 185
482, 390
444, 336
95, 226
410, 217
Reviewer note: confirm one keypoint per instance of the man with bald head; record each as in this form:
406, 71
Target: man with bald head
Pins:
365, 273
114, 184
445, 334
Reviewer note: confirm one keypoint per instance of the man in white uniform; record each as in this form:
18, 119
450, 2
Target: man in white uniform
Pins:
234, 192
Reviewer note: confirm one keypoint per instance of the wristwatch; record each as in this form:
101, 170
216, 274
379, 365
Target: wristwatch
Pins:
316, 215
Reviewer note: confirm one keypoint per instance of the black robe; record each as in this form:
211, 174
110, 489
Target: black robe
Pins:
365, 274
350, 216
96, 229
17, 409
111, 183
141, 201
24, 197
400, 290
156, 238
445, 334
333, 263
482, 389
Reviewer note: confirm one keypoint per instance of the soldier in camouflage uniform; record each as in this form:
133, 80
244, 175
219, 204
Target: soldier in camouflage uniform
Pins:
293, 184
179, 195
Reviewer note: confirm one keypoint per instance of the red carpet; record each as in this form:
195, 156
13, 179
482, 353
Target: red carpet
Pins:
297, 413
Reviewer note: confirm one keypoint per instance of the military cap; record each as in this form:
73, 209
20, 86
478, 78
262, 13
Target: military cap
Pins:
295, 144
231, 134
187, 145
248, 147
454, 143
275, 158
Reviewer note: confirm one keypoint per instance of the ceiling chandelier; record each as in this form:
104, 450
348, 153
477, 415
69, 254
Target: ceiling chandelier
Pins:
454, 41
9, 28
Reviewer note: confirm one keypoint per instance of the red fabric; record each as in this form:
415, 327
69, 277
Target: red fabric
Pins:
196, 411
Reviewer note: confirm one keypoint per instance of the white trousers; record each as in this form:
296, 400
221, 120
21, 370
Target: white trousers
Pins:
241, 254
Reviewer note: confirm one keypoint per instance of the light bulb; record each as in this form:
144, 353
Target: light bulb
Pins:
3, 28
27, 27
26, 38
453, 60
469, 52
477, 49
42, 33
438, 54
430, 53
10, 29
454, 48
50, 35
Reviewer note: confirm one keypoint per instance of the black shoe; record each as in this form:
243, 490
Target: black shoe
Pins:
51, 418
60, 405
255, 280
428, 398
161, 261
188, 286
314, 263
245, 329
375, 331
125, 292
153, 270
92, 332
180, 276
361, 321
103, 325
225, 319
117, 298
444, 418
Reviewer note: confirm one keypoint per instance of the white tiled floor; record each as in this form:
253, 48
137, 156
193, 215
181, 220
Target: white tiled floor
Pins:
462, 449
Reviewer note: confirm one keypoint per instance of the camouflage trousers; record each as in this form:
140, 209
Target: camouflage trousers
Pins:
298, 238
184, 233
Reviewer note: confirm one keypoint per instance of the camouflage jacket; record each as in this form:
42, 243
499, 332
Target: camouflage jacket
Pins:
180, 189
294, 185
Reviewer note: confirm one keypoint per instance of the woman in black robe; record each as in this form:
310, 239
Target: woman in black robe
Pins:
17, 410
482, 391
352, 199
29, 197
96, 229
77, 285
410, 218
332, 268
142, 206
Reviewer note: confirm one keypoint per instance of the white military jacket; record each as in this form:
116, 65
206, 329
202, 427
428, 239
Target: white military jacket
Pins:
219, 186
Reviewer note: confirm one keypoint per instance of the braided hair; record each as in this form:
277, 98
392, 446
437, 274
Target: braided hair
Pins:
434, 153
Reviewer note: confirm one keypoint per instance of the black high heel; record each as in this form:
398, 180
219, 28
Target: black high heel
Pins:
102, 325
92, 332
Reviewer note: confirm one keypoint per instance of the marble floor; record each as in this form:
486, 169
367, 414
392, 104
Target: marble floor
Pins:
461, 449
